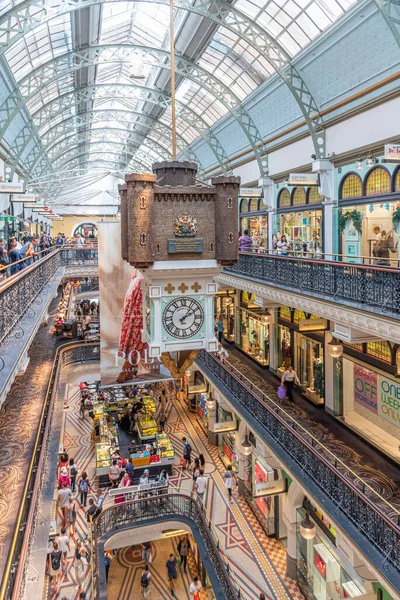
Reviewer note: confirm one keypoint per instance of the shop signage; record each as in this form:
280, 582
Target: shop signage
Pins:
250, 192
270, 488
313, 324
389, 400
24, 198
224, 426
303, 179
392, 152
365, 388
11, 188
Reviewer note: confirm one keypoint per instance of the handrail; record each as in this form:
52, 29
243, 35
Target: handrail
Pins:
12, 576
34, 257
165, 506
372, 523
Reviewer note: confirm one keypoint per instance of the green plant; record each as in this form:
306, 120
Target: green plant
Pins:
351, 215
396, 215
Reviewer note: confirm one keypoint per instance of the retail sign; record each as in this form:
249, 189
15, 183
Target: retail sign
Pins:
11, 188
250, 192
389, 400
392, 152
224, 426
365, 388
270, 488
313, 324
306, 179
24, 198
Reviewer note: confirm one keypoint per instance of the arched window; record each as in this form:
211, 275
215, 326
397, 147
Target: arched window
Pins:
397, 181
351, 186
298, 315
380, 350
298, 196
253, 205
284, 198
244, 207
285, 313
313, 195
377, 182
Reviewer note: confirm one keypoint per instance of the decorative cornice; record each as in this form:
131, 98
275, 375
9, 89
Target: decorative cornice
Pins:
378, 326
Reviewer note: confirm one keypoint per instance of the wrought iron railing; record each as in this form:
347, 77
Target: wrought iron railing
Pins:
66, 354
19, 291
370, 520
366, 286
162, 508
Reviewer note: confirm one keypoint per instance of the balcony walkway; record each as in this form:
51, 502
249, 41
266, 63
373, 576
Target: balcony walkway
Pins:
371, 465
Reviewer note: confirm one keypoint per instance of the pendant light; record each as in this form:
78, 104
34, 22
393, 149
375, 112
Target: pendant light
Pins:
246, 446
307, 528
335, 348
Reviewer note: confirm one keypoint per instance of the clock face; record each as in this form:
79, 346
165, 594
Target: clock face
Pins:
183, 317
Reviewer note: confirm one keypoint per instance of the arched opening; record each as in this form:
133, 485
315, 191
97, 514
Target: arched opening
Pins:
350, 186
377, 182
86, 229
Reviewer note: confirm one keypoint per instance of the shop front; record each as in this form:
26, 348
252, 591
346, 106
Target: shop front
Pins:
252, 217
267, 487
368, 215
300, 218
299, 341
224, 304
252, 329
226, 426
322, 572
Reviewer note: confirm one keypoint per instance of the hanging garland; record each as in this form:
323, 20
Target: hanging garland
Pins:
351, 215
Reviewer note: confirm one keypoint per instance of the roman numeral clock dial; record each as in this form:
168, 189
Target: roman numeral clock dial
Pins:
183, 318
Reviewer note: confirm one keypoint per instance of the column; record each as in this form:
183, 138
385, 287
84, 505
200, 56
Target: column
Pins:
326, 172
212, 419
329, 377
272, 340
267, 185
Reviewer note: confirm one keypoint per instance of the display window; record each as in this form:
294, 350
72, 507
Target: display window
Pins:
322, 573
227, 449
309, 366
225, 310
252, 334
257, 226
283, 349
201, 409
266, 504
303, 231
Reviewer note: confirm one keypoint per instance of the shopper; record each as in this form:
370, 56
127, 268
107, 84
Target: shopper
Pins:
196, 469
171, 573
70, 517
187, 452
63, 544
163, 399
73, 472
230, 481
183, 549
114, 472
4, 259
200, 485
195, 589
145, 590
130, 469
91, 511
283, 246
245, 242
261, 597
163, 477
14, 256
145, 478
220, 329
289, 378
202, 460
64, 478
84, 487
146, 552
107, 562
56, 567
162, 419
81, 561
64, 496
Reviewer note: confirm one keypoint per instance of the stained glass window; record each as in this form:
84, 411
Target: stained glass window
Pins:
253, 205
314, 196
381, 350
298, 314
285, 313
351, 186
244, 205
284, 198
397, 181
378, 182
299, 196
355, 346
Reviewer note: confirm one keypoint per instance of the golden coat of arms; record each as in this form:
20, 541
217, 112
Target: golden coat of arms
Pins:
185, 226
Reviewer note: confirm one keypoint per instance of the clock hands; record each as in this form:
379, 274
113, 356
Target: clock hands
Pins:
190, 311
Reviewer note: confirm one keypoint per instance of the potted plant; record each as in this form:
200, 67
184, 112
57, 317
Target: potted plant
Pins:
351, 215
396, 218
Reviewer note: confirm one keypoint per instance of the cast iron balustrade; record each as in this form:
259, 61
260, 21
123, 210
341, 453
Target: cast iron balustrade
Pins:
161, 509
365, 286
370, 521
19, 291
66, 355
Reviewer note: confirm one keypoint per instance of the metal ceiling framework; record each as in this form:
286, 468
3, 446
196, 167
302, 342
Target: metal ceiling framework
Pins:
390, 10
37, 80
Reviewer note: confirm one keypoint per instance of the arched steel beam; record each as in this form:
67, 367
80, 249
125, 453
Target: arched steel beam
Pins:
86, 153
65, 64
51, 109
390, 10
27, 15
53, 135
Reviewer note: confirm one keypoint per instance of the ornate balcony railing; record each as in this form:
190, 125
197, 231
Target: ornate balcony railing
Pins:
370, 520
66, 355
166, 507
18, 291
367, 286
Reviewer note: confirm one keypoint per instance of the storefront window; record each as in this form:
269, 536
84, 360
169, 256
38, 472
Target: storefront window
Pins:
225, 310
285, 313
284, 198
397, 181
252, 334
351, 186
282, 350
244, 205
257, 226
381, 350
298, 314
303, 230
320, 570
299, 196
254, 207
227, 447
377, 182
314, 196
309, 366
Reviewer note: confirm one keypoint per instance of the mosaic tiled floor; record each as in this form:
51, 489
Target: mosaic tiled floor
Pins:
257, 561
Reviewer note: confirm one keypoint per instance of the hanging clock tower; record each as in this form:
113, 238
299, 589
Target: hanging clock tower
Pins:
179, 232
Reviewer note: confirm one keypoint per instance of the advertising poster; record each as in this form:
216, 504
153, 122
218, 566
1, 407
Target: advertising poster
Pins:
365, 388
389, 400
123, 356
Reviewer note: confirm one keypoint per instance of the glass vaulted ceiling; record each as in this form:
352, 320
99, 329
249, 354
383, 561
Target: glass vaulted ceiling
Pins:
110, 127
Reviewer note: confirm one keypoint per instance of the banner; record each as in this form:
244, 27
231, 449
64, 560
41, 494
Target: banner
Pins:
389, 400
365, 388
123, 358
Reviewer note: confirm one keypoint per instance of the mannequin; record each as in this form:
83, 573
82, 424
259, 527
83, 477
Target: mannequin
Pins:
319, 377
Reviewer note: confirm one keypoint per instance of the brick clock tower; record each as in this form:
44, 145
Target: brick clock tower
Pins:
179, 233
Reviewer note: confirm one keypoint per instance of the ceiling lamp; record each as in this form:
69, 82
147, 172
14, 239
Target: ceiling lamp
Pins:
246, 446
307, 528
371, 160
335, 348
210, 404
359, 164
136, 66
